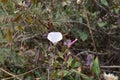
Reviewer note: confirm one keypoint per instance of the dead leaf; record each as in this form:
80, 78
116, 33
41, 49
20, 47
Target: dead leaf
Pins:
4, 1
9, 35
17, 18
20, 28
29, 19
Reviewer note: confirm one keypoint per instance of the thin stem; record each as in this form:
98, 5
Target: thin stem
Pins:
4, 9
6, 13
10, 74
21, 74
48, 71
90, 30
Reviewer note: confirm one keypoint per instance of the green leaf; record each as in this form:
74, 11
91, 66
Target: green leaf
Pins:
75, 64
77, 77
3, 54
104, 2
82, 75
60, 55
88, 78
95, 67
117, 10
2, 59
53, 74
63, 73
70, 61
102, 24
81, 20
83, 35
85, 77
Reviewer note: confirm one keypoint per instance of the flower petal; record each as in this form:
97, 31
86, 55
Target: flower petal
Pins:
55, 37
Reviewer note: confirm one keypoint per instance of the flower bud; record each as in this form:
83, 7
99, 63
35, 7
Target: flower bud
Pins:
78, 1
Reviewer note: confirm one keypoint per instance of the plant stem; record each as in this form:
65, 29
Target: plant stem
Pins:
90, 30
48, 71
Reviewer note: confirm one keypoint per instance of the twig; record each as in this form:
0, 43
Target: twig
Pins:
91, 33
90, 30
70, 21
21, 74
110, 67
100, 5
48, 72
91, 52
10, 74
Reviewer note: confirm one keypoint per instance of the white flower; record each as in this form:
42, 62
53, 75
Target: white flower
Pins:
78, 1
55, 37
68, 1
110, 76
64, 4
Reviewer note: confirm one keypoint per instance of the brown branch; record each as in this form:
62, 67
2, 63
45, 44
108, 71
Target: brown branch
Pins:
21, 74
97, 3
10, 74
110, 67
90, 29
90, 52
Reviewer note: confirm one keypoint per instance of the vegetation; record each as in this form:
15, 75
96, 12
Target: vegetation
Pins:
87, 34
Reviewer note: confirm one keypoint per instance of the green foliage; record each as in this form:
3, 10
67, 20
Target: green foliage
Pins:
75, 64
96, 67
104, 2
69, 62
83, 35
64, 72
4, 53
23, 30
102, 24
